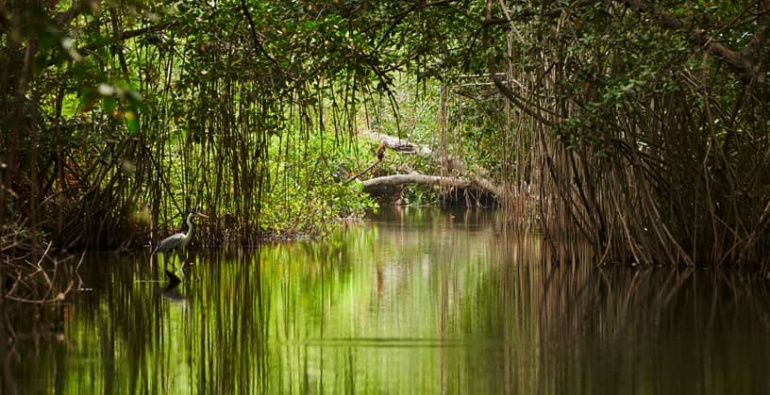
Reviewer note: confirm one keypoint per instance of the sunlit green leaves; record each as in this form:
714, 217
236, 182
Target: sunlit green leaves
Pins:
118, 100
311, 197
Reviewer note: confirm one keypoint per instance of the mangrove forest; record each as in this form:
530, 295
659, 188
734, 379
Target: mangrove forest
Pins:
635, 130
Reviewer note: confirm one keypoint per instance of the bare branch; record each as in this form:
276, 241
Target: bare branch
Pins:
65, 17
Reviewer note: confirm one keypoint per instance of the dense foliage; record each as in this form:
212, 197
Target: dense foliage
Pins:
638, 127
653, 124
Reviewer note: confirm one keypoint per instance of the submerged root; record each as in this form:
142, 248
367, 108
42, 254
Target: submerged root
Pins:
29, 276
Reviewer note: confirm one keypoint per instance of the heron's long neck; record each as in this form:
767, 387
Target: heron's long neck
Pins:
189, 226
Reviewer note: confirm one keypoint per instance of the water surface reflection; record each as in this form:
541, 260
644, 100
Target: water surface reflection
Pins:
416, 302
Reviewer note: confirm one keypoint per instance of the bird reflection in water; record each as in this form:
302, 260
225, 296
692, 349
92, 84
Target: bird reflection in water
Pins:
171, 291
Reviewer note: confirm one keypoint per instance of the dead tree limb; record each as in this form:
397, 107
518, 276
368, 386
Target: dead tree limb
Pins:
398, 144
380, 157
363, 171
396, 180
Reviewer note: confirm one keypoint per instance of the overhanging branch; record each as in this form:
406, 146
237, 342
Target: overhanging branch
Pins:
740, 61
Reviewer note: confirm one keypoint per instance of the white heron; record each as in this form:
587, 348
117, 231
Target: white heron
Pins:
178, 241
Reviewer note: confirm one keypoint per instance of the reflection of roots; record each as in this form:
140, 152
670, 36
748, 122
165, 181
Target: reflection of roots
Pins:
28, 276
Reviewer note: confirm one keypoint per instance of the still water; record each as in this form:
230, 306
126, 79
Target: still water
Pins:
412, 302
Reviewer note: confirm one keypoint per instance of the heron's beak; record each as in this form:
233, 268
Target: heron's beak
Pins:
202, 215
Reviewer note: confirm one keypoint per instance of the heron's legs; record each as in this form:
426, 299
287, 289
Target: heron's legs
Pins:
182, 256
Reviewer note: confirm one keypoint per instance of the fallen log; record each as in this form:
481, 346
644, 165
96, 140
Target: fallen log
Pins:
397, 180
487, 185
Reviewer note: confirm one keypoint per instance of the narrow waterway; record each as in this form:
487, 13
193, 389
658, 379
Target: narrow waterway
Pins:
412, 302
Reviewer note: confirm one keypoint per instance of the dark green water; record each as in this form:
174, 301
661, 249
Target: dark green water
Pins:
415, 302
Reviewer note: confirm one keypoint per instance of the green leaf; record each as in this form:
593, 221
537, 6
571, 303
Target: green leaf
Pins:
132, 122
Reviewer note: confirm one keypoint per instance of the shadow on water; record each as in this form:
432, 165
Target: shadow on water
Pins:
415, 302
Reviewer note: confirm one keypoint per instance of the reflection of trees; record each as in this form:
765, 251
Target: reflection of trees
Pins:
285, 318
563, 329
449, 303
628, 328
